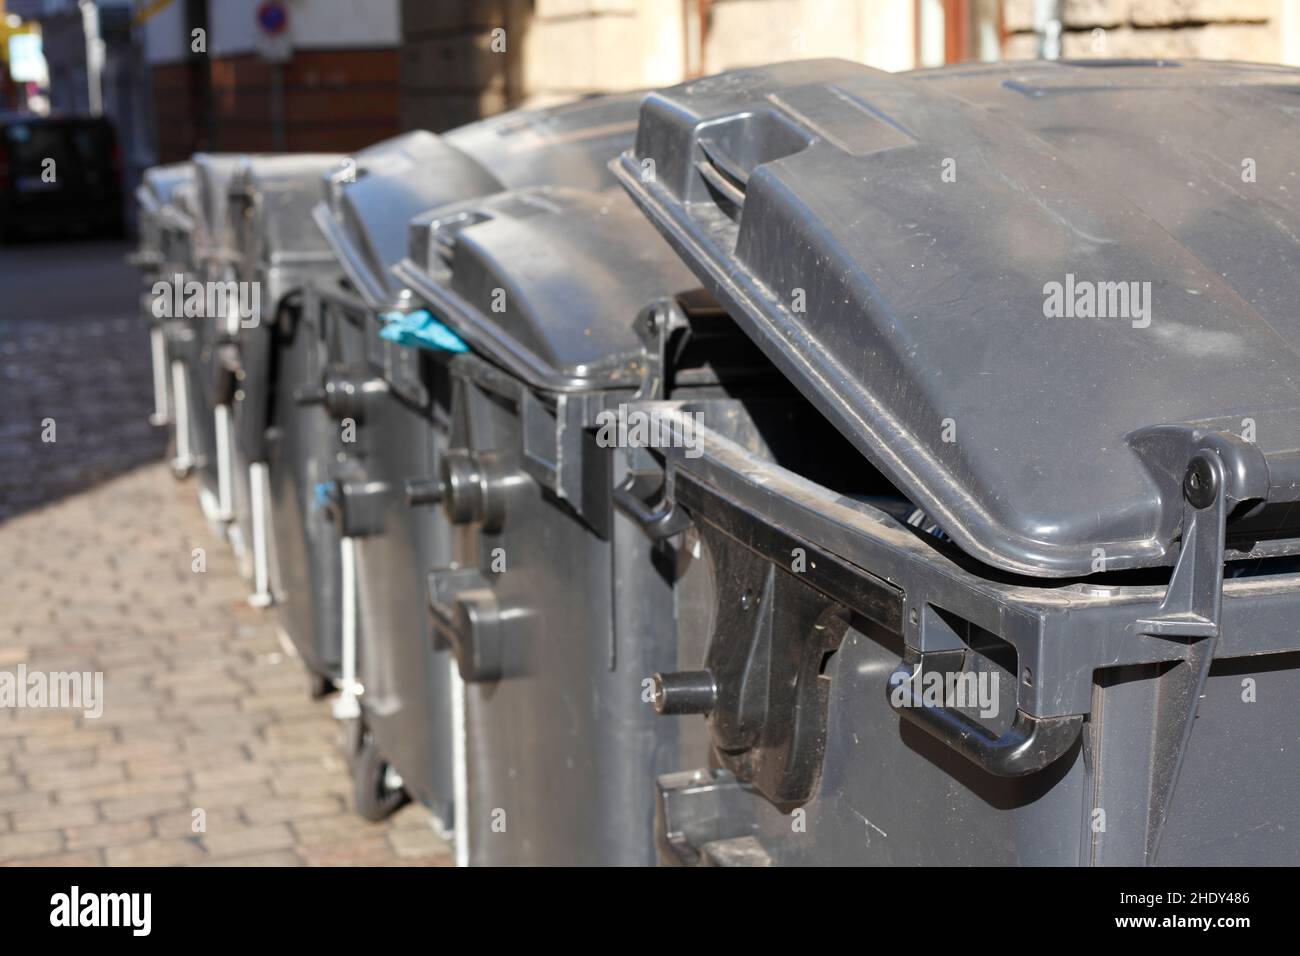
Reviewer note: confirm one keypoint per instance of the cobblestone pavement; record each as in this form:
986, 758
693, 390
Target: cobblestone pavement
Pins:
203, 710
72, 351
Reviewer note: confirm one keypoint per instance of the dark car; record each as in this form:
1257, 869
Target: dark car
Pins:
58, 174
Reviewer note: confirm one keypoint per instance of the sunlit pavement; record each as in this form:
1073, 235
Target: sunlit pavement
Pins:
208, 750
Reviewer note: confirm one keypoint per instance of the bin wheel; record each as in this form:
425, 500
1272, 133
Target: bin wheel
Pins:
319, 685
375, 799
354, 732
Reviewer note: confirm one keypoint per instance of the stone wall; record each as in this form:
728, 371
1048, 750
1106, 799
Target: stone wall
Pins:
463, 59
1264, 31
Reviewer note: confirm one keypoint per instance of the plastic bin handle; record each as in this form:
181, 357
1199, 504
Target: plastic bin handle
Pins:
661, 520
1029, 745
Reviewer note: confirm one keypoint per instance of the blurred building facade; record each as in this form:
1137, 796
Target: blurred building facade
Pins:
16, 80
467, 58
178, 76
222, 82
1261, 31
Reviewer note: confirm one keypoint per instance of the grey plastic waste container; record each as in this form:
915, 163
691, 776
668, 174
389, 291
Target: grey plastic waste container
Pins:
890, 469
279, 251
557, 601
209, 343
1096, 662
410, 707
163, 254
396, 690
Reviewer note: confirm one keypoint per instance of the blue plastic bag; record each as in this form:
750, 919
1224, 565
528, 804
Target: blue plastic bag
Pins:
419, 329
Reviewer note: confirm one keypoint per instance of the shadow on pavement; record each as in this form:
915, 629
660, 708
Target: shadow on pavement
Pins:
75, 378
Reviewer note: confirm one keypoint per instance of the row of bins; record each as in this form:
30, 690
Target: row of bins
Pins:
610, 553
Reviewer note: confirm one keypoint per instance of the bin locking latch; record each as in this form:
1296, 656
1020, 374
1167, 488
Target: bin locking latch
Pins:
471, 487
762, 690
355, 507
466, 619
343, 394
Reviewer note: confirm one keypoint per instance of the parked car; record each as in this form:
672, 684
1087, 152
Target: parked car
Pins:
59, 174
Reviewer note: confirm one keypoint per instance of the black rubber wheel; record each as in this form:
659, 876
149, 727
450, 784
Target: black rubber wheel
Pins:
374, 800
354, 732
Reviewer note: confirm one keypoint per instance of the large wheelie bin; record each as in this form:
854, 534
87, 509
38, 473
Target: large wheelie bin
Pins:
557, 600
163, 253
280, 250
1042, 611
211, 315
395, 691
410, 711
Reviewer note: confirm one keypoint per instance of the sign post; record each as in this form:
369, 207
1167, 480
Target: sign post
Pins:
273, 40
276, 47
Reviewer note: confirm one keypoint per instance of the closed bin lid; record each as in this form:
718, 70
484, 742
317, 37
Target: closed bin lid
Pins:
158, 184
566, 145
548, 281
271, 201
156, 197
1007, 285
212, 175
180, 215
369, 202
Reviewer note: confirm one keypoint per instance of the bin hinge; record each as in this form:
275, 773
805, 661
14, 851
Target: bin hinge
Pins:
1193, 600
1190, 613
657, 326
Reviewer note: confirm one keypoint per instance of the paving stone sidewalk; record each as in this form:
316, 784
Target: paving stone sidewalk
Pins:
203, 709
73, 353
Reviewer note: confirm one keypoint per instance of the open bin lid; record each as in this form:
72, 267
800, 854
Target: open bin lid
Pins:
370, 198
547, 282
892, 243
